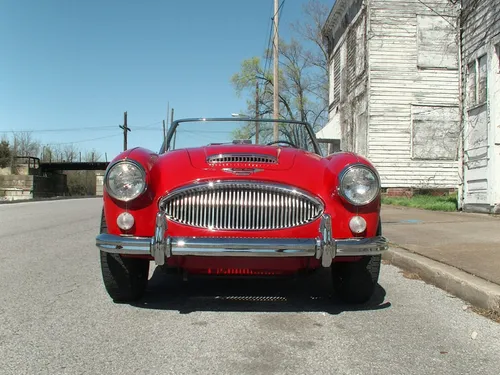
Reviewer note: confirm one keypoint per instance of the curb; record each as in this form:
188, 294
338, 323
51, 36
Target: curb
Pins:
470, 288
59, 198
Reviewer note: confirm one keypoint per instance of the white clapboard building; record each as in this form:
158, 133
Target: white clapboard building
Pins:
394, 88
480, 54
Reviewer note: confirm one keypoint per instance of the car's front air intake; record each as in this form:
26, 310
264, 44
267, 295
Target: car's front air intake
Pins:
241, 205
241, 158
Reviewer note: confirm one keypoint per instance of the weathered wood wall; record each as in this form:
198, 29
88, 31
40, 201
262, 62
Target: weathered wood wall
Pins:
414, 126
481, 110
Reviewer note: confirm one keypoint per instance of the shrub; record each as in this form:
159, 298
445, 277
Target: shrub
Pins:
5, 154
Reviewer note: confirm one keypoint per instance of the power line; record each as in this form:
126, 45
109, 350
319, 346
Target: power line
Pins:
81, 141
148, 126
279, 13
270, 26
144, 128
194, 131
106, 127
57, 130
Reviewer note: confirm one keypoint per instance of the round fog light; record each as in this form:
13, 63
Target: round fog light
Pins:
357, 224
125, 221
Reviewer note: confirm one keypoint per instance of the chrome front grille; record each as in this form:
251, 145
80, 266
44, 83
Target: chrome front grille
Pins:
241, 158
237, 205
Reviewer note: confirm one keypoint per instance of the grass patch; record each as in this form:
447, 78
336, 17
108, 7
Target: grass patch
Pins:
426, 202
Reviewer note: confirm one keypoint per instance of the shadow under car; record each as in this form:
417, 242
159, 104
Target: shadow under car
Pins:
312, 292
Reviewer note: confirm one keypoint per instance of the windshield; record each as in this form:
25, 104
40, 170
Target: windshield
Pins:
204, 132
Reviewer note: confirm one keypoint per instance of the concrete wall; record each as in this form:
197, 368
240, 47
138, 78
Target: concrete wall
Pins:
99, 179
5, 171
17, 187
16, 181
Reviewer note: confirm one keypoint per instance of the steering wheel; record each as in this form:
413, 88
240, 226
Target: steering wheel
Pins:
286, 142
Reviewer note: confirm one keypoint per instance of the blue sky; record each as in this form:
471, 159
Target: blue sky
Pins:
81, 64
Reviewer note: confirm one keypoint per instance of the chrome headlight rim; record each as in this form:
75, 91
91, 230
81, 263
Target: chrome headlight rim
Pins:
347, 170
139, 167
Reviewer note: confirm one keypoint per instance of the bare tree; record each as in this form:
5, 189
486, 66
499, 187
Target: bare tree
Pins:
70, 153
92, 156
316, 14
25, 145
47, 154
303, 75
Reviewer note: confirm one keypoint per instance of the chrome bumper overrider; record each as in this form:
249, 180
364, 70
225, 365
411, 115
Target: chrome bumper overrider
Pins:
323, 247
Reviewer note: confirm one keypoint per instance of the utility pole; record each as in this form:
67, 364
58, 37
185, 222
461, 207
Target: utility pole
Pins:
175, 134
125, 130
275, 80
166, 120
257, 124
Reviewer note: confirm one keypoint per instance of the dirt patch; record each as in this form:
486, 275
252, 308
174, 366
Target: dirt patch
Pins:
487, 313
410, 275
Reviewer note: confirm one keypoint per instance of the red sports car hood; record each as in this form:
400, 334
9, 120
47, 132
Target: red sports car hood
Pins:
243, 156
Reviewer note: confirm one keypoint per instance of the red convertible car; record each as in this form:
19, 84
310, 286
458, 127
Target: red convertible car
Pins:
241, 196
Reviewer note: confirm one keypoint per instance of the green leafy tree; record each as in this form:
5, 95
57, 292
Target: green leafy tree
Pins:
303, 77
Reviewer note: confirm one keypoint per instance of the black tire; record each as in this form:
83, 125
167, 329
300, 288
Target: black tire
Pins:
355, 282
125, 279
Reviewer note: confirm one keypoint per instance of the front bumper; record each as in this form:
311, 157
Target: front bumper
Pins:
162, 246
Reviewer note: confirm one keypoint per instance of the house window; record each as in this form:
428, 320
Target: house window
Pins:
477, 82
332, 82
435, 132
360, 41
336, 77
471, 84
482, 74
437, 42
497, 51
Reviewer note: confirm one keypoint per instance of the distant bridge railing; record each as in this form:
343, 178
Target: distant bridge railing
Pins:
74, 166
31, 161
49, 166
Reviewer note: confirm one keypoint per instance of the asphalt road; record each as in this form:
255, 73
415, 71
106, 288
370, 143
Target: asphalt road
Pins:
55, 317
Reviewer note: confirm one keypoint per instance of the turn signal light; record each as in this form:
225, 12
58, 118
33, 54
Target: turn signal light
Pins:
357, 224
125, 221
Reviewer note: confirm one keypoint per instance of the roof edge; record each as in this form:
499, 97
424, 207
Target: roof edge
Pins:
334, 18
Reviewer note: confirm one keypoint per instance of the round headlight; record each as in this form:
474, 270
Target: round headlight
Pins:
359, 185
125, 180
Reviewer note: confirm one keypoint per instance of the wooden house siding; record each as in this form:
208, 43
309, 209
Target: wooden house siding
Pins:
481, 109
400, 89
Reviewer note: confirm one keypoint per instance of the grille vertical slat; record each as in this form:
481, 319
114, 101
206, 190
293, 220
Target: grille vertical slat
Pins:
238, 207
183, 205
241, 206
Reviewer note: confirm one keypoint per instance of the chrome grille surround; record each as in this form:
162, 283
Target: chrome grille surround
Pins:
242, 158
241, 205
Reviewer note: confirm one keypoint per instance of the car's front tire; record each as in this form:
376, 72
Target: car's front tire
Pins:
125, 279
355, 282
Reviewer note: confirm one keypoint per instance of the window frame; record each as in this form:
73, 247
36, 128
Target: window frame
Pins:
473, 67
